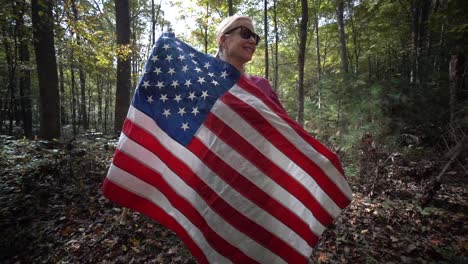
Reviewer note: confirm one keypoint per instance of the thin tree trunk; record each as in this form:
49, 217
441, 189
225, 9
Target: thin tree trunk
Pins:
456, 68
341, 29
275, 20
301, 61
265, 23
230, 8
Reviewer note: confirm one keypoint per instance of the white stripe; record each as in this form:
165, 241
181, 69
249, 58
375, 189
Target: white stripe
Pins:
244, 129
250, 247
258, 178
248, 208
135, 185
295, 139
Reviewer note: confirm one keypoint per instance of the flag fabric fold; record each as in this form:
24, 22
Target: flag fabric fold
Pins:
209, 155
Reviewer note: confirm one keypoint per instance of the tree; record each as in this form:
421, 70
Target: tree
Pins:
122, 94
43, 25
301, 61
341, 31
265, 24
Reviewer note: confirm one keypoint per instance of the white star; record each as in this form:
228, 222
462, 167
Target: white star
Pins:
181, 57
163, 98
179, 48
171, 71
201, 80
181, 111
169, 58
184, 126
207, 65
194, 61
215, 83
166, 47
185, 68
211, 74
204, 95
224, 74
198, 69
178, 98
160, 85
188, 83
167, 113
192, 96
191, 55
150, 99
174, 84
155, 58
157, 71
165, 37
145, 84
195, 111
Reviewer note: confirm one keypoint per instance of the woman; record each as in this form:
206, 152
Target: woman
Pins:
237, 42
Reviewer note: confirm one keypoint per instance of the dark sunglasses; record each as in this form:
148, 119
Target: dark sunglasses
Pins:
245, 33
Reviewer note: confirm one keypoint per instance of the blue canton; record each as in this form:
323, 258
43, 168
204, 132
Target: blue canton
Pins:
180, 86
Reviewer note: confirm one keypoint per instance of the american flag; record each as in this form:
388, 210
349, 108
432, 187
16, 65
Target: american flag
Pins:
209, 155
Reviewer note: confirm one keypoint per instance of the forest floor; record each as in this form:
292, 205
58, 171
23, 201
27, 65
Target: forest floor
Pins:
52, 211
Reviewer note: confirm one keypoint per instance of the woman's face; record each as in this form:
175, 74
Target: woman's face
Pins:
236, 49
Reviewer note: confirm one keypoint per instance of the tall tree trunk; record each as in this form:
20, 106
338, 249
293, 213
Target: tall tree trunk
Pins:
275, 20
25, 74
43, 30
83, 114
73, 93
122, 94
265, 23
230, 8
301, 61
456, 68
341, 30
317, 50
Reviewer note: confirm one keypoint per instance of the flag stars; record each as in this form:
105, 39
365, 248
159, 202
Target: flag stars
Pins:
181, 57
182, 111
191, 54
160, 85
215, 83
175, 83
195, 111
169, 58
166, 47
197, 69
163, 98
178, 98
185, 126
211, 74
207, 65
171, 71
154, 58
188, 83
185, 68
150, 99
204, 95
192, 96
145, 84
201, 80
224, 74
157, 71
167, 113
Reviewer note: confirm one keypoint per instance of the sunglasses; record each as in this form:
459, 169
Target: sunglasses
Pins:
245, 33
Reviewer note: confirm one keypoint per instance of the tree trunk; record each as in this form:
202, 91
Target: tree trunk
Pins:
122, 94
43, 25
25, 74
341, 30
73, 93
317, 50
230, 8
456, 68
265, 23
301, 62
275, 21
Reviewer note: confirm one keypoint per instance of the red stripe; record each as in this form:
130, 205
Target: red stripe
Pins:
269, 168
153, 178
230, 214
252, 192
244, 83
261, 124
128, 199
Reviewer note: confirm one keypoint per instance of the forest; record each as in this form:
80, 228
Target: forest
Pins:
382, 83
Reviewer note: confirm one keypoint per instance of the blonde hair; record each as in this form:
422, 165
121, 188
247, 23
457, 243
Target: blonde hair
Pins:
225, 26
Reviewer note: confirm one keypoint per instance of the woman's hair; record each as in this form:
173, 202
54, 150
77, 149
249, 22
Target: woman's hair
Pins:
225, 26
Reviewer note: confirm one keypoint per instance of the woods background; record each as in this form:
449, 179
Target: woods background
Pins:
381, 82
